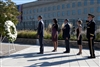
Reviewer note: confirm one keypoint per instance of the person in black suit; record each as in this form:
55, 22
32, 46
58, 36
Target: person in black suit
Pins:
91, 34
66, 35
40, 34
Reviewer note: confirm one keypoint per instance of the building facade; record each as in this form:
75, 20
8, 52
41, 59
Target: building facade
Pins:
60, 9
19, 7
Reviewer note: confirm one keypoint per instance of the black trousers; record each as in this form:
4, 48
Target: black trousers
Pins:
67, 45
41, 44
91, 47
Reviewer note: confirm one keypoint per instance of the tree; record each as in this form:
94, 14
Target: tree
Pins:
8, 11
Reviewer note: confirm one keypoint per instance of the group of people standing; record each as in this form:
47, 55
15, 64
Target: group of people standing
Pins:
66, 34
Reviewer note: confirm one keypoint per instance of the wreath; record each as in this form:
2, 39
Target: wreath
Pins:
10, 31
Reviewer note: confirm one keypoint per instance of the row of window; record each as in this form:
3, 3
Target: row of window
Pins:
58, 7
98, 18
64, 13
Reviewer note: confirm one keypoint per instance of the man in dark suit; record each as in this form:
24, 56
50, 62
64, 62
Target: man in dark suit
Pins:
66, 35
91, 34
40, 34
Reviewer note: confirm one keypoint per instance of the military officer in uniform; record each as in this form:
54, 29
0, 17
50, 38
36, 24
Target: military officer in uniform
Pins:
91, 34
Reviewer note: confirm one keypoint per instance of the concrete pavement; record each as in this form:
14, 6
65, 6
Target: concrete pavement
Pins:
28, 58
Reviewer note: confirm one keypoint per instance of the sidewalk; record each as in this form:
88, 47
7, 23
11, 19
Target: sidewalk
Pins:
28, 58
5, 48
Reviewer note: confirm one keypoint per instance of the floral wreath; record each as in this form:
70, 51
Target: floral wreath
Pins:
10, 31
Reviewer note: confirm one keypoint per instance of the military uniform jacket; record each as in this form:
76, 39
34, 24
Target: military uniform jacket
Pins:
91, 29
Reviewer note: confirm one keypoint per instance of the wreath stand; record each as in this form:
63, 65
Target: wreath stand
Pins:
13, 47
1, 39
9, 46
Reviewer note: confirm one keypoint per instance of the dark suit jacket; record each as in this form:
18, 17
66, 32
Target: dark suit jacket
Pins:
91, 29
40, 30
66, 31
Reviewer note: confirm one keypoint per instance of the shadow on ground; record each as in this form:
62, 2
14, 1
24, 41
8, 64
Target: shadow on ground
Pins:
46, 63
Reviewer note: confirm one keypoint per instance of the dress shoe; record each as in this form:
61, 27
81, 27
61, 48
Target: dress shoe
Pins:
40, 53
54, 50
66, 52
90, 57
79, 53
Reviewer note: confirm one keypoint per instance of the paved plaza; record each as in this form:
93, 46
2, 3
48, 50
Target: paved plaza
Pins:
27, 57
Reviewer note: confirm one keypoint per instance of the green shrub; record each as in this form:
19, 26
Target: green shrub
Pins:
84, 38
47, 35
60, 36
73, 37
97, 37
27, 34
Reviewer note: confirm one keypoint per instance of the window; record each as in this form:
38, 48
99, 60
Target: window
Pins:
26, 17
54, 7
58, 7
91, 10
68, 13
40, 10
91, 2
79, 4
23, 18
34, 11
45, 9
30, 11
98, 1
85, 3
85, 11
27, 11
73, 12
79, 11
24, 12
49, 8
85, 18
73, 4
54, 14
37, 10
48, 15
31, 17
98, 9
63, 13
63, 6
99, 18
58, 14
34, 16
44, 15
68, 5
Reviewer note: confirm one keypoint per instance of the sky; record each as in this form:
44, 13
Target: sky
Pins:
22, 1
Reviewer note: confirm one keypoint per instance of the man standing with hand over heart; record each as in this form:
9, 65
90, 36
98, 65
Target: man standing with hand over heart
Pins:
66, 35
